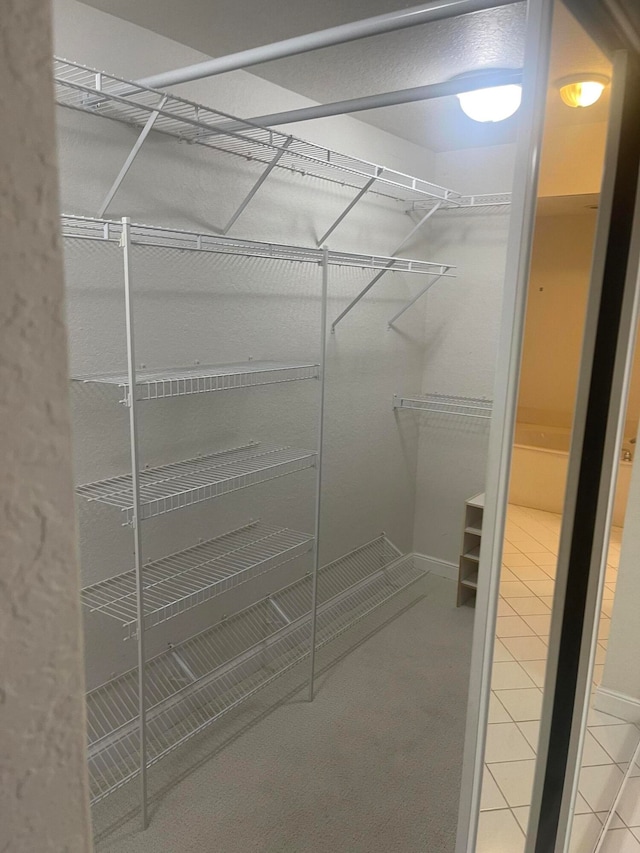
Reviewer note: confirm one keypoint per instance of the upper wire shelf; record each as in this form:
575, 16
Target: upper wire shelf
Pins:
89, 228
201, 379
181, 484
191, 577
197, 681
101, 94
473, 407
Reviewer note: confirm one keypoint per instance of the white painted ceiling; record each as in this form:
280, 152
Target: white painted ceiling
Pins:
414, 57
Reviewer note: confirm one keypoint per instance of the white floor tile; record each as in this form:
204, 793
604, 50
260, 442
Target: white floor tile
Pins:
629, 806
594, 754
507, 576
497, 711
582, 806
541, 587
515, 561
619, 741
599, 785
498, 832
531, 730
584, 833
521, 814
514, 589
507, 675
512, 626
526, 648
529, 573
530, 606
500, 652
522, 705
515, 780
615, 823
491, 796
620, 841
607, 607
535, 669
540, 624
505, 609
505, 742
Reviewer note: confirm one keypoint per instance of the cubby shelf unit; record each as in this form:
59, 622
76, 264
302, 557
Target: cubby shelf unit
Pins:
175, 584
181, 484
196, 682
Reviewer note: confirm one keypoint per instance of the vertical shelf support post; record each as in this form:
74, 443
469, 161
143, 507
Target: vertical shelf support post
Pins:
316, 544
136, 518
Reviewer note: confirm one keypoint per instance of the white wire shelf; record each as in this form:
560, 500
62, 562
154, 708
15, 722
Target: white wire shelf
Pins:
106, 230
195, 683
201, 379
469, 202
101, 94
181, 484
184, 580
447, 404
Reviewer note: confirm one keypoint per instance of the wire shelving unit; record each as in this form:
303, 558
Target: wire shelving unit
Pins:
196, 682
95, 92
447, 404
140, 716
202, 379
175, 584
181, 484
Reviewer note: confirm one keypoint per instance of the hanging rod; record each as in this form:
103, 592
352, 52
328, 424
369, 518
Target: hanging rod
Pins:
446, 404
88, 228
399, 20
390, 99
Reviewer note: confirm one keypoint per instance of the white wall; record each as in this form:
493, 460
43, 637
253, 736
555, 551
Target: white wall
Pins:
219, 309
462, 319
43, 776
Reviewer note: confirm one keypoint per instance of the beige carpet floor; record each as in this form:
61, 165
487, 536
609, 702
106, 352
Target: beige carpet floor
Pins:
373, 765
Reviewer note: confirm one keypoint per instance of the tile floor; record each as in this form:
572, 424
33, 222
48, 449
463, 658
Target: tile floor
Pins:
526, 591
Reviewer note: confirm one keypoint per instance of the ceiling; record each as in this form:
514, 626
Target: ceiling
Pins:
418, 56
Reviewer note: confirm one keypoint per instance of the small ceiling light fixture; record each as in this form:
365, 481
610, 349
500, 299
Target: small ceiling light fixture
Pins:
582, 90
493, 104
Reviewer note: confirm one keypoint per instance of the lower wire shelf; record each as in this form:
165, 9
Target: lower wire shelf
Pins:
184, 580
196, 682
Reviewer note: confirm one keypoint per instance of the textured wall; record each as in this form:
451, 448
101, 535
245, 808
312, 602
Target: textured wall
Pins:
461, 333
43, 795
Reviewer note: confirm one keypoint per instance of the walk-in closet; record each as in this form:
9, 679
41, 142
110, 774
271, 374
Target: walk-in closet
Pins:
289, 316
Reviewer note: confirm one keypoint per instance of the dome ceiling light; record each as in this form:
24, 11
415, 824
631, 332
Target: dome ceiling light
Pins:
582, 90
493, 104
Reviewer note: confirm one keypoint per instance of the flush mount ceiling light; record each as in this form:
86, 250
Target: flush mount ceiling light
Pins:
581, 90
493, 104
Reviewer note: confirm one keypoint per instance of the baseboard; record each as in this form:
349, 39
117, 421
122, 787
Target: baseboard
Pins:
442, 568
617, 704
